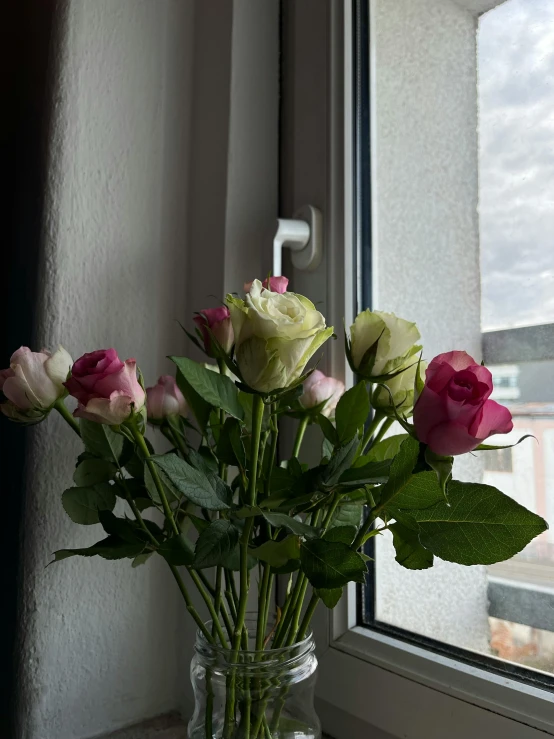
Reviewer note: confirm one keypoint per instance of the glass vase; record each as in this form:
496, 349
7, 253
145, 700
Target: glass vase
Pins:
255, 695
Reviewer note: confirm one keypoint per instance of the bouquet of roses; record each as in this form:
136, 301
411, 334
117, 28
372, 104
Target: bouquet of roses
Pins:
222, 502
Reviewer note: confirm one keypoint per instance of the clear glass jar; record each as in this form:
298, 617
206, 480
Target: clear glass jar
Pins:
258, 695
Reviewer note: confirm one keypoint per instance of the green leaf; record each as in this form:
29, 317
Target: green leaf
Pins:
190, 482
480, 526
83, 503
93, 471
344, 534
176, 551
329, 431
331, 564
205, 462
216, 389
348, 514
386, 449
492, 447
327, 449
200, 524
442, 467
200, 409
101, 440
140, 559
230, 449
281, 520
135, 466
352, 412
233, 561
341, 460
109, 548
329, 596
371, 473
171, 493
400, 469
278, 553
409, 552
121, 528
215, 544
419, 491
281, 480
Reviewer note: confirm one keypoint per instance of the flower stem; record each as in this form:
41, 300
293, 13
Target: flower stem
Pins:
59, 405
371, 429
139, 438
257, 420
300, 435
383, 430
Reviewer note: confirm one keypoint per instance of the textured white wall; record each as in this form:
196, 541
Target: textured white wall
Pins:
99, 637
427, 253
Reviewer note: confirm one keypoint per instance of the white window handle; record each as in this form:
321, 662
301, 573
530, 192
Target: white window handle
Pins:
303, 235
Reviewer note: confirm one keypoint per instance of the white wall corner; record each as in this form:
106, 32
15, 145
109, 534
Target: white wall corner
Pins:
478, 7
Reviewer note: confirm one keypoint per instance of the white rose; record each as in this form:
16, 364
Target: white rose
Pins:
276, 334
402, 389
380, 343
35, 380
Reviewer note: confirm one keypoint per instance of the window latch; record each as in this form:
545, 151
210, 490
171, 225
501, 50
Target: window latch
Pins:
303, 235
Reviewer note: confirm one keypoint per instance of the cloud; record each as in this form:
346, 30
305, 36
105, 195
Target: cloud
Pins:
516, 104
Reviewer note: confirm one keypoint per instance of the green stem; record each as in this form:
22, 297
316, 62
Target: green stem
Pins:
262, 599
169, 515
302, 426
383, 430
371, 429
312, 605
59, 405
190, 607
257, 420
139, 438
207, 600
217, 596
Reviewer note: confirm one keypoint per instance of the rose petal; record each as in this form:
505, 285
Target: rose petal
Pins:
495, 419
112, 411
451, 438
430, 411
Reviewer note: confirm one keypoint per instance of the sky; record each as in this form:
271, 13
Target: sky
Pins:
516, 107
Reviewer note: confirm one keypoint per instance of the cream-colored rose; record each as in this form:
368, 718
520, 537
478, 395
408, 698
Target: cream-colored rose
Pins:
276, 334
381, 343
402, 390
34, 380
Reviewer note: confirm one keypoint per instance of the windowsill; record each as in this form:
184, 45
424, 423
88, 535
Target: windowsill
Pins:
169, 726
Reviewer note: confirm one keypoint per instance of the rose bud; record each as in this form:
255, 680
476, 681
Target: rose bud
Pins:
33, 383
165, 399
107, 388
218, 322
276, 335
276, 284
453, 414
318, 389
400, 394
381, 343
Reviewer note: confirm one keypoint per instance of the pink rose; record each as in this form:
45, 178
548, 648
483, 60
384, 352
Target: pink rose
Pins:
165, 399
453, 414
218, 321
319, 388
107, 388
276, 284
34, 380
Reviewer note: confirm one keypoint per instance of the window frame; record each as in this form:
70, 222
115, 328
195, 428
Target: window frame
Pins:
371, 680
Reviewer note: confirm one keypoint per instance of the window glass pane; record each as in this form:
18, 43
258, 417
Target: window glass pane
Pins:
506, 610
